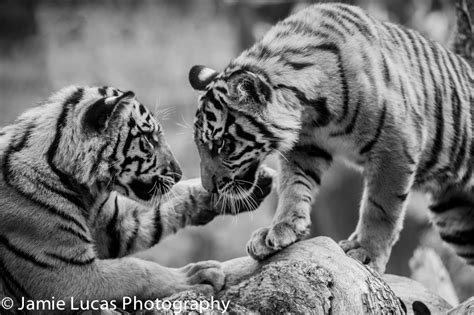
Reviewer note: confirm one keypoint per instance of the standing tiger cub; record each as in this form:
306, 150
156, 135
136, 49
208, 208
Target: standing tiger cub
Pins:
65, 231
332, 82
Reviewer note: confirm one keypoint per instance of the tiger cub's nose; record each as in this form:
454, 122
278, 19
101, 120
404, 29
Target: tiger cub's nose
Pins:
173, 170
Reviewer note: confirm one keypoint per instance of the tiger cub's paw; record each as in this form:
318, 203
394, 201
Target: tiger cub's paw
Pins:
267, 241
355, 250
206, 277
256, 247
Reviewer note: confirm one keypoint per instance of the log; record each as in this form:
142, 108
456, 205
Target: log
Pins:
316, 277
467, 307
312, 277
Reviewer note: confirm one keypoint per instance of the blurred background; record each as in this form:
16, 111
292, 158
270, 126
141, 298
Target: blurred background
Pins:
148, 47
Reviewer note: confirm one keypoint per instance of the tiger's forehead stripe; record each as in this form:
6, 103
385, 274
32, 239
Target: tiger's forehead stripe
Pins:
211, 116
215, 118
238, 127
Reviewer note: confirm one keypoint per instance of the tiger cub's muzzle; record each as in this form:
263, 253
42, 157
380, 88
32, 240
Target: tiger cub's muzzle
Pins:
216, 181
146, 189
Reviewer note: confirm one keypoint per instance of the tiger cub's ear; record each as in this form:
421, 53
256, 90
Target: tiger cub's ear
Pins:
201, 76
99, 113
249, 89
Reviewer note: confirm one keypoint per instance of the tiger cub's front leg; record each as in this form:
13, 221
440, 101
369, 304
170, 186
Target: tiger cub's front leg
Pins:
388, 180
131, 227
191, 204
299, 181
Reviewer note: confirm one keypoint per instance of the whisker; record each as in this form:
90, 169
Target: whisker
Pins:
155, 106
281, 154
151, 202
254, 185
165, 113
185, 123
182, 125
243, 197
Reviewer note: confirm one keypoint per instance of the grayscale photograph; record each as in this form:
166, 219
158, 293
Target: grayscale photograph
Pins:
236, 157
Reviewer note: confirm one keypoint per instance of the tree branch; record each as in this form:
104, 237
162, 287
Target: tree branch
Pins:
316, 276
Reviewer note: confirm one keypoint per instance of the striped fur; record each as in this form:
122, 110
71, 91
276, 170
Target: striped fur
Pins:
87, 179
332, 82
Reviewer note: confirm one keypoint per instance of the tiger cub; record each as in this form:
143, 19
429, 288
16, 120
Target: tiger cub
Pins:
68, 225
332, 82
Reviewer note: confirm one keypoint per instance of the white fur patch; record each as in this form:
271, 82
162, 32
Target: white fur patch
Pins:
205, 74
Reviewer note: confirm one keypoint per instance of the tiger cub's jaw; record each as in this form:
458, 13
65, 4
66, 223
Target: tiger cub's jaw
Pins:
145, 191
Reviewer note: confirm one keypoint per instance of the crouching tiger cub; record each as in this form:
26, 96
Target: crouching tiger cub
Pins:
65, 232
331, 81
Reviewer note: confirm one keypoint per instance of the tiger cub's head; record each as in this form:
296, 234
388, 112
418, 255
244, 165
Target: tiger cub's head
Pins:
108, 140
236, 126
